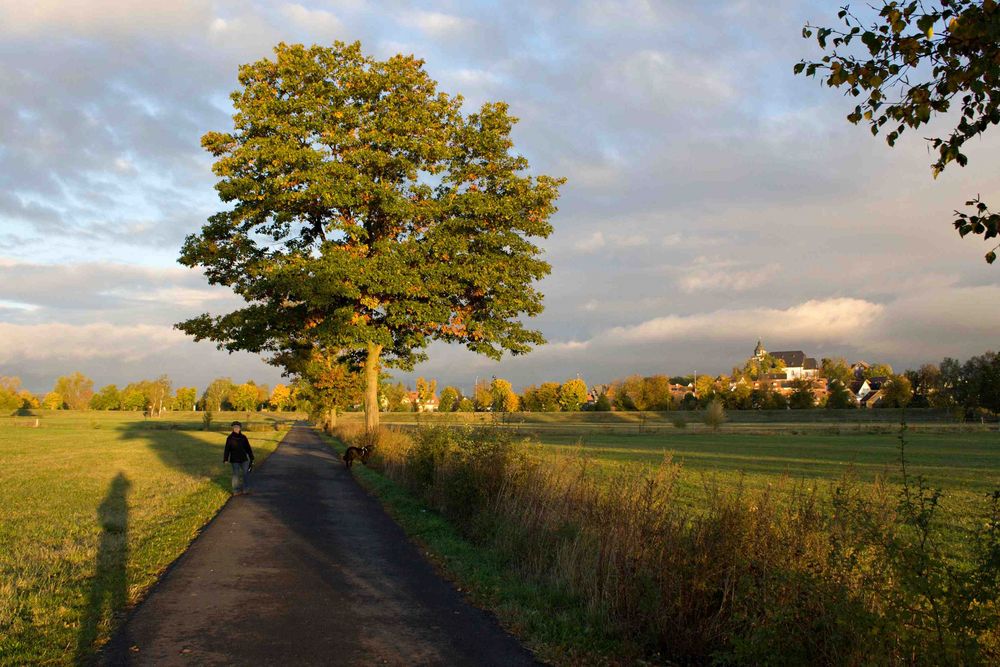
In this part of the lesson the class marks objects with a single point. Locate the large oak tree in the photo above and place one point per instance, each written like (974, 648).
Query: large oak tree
(367, 213)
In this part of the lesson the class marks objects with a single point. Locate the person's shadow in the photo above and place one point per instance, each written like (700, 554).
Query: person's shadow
(109, 586)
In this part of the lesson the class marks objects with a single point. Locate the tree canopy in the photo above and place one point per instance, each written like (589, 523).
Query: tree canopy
(367, 213)
(76, 390)
(914, 61)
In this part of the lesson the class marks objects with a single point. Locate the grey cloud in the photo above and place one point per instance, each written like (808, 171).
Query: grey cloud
(147, 353)
(682, 131)
(114, 293)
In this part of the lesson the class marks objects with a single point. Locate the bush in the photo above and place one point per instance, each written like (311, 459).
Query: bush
(206, 420)
(785, 574)
(715, 414)
(678, 421)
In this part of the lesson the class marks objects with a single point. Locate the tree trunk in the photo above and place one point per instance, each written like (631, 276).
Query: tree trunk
(331, 419)
(371, 389)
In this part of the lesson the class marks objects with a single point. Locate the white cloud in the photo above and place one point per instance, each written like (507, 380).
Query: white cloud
(659, 78)
(598, 240)
(590, 172)
(97, 340)
(629, 241)
(724, 276)
(601, 13)
(184, 297)
(17, 305)
(829, 320)
(591, 243)
(107, 287)
(436, 24)
(313, 20)
(474, 77)
(564, 346)
(20, 17)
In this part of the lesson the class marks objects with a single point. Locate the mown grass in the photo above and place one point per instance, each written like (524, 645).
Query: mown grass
(93, 507)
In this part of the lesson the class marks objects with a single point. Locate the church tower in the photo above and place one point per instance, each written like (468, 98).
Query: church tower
(759, 351)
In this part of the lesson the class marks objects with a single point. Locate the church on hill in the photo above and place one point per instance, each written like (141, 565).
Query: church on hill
(797, 364)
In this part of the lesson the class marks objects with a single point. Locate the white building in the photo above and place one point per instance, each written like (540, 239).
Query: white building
(797, 364)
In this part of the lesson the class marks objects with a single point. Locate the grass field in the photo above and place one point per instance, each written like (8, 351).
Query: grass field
(961, 459)
(767, 544)
(93, 507)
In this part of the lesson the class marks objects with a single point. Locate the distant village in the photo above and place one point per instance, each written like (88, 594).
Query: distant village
(767, 380)
(792, 369)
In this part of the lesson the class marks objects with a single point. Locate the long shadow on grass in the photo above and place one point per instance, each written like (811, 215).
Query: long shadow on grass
(108, 590)
(181, 451)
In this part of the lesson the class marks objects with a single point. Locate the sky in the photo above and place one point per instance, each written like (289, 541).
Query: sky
(712, 199)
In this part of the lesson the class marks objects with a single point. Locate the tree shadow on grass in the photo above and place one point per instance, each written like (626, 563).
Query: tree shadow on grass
(176, 446)
(181, 451)
(109, 588)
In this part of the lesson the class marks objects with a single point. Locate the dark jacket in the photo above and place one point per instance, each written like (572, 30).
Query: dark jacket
(237, 449)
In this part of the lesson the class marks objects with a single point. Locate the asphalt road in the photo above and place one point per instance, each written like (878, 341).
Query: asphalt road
(307, 570)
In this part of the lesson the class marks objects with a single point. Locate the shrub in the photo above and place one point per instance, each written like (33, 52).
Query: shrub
(678, 421)
(784, 574)
(715, 414)
(206, 420)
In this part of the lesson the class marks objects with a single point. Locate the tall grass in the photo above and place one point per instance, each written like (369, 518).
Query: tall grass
(785, 575)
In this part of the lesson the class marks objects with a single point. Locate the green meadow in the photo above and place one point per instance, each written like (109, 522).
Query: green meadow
(750, 452)
(752, 528)
(93, 507)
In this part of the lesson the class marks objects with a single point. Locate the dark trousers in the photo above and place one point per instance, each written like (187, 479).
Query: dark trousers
(240, 476)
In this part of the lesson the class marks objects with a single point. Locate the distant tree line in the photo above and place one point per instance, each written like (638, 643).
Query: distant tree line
(969, 388)
(972, 387)
(76, 392)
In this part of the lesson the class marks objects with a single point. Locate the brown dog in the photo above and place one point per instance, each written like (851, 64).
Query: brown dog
(354, 453)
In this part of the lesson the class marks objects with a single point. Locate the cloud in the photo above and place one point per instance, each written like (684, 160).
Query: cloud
(75, 343)
(436, 24)
(314, 21)
(669, 79)
(829, 320)
(597, 240)
(567, 346)
(122, 17)
(726, 276)
(591, 243)
(112, 289)
(115, 353)
(710, 191)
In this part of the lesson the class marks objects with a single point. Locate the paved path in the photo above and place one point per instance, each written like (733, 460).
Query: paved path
(307, 570)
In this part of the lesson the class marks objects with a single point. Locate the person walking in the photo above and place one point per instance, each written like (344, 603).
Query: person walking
(239, 454)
